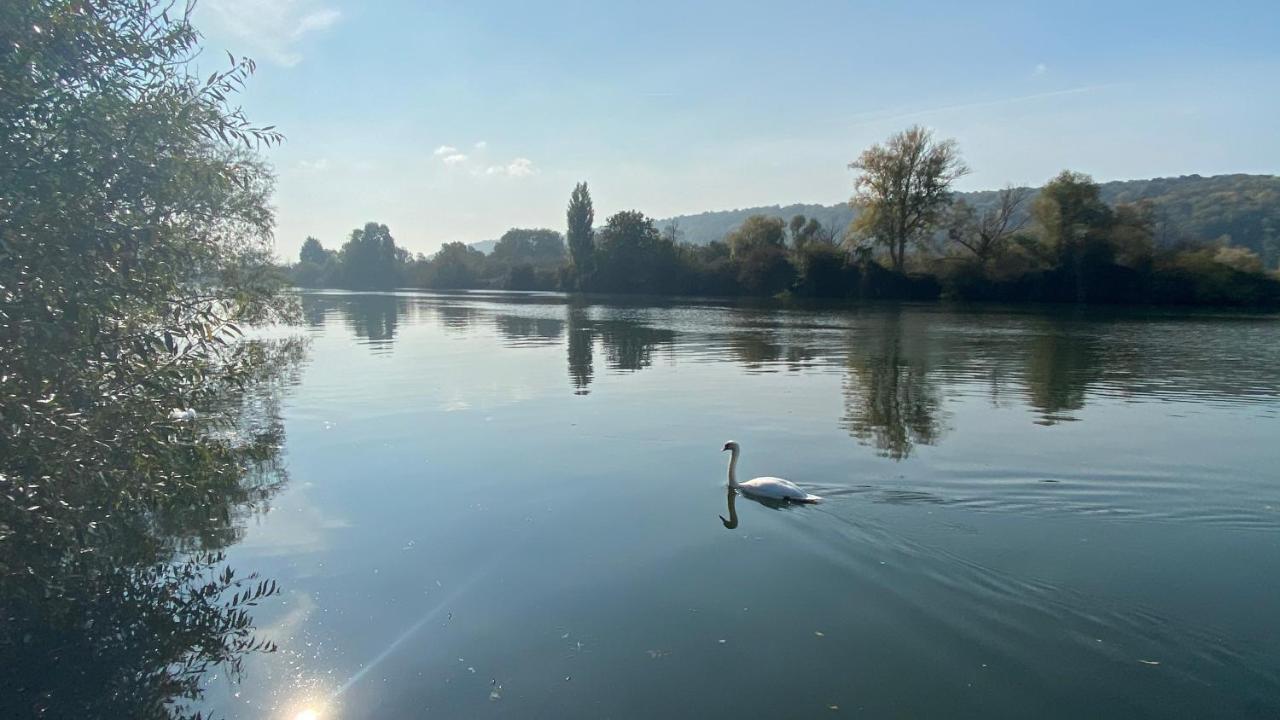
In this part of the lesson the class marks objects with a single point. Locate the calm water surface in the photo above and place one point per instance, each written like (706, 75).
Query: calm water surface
(515, 506)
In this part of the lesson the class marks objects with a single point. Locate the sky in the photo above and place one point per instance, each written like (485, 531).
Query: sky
(458, 120)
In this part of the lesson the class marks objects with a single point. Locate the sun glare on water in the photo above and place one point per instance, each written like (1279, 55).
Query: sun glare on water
(307, 714)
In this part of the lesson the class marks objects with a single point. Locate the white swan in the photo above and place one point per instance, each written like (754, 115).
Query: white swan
(765, 487)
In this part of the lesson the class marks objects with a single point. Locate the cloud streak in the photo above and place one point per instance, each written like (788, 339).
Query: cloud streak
(870, 118)
(271, 30)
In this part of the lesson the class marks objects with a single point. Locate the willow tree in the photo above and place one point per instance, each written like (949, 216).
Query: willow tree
(903, 188)
(134, 241)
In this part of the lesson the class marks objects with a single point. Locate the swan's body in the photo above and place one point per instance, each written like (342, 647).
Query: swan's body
(772, 488)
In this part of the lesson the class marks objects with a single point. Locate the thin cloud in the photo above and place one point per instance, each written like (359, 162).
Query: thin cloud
(519, 167)
(270, 30)
(318, 165)
(453, 157)
(1040, 69)
(322, 19)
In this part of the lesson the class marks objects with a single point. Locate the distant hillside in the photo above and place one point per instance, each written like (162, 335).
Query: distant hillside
(484, 246)
(1244, 208)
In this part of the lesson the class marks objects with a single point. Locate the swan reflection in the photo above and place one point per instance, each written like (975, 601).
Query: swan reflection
(731, 522)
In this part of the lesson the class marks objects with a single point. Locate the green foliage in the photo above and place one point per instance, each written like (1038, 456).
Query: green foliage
(317, 267)
(808, 230)
(312, 252)
(1073, 219)
(632, 256)
(456, 266)
(370, 259)
(581, 216)
(823, 270)
(758, 248)
(1132, 234)
(758, 232)
(539, 248)
(134, 226)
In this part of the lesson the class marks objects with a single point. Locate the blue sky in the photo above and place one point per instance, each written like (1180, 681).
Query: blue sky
(456, 121)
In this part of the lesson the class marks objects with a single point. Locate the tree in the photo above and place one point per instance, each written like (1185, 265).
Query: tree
(806, 230)
(317, 267)
(134, 241)
(581, 215)
(672, 232)
(1071, 215)
(987, 233)
(903, 188)
(540, 248)
(312, 252)
(755, 233)
(797, 228)
(631, 255)
(1075, 225)
(758, 248)
(456, 266)
(370, 258)
(1132, 234)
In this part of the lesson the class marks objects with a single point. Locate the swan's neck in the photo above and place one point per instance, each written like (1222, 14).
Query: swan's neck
(733, 470)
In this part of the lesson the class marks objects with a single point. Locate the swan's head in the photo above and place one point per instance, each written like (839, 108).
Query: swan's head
(731, 445)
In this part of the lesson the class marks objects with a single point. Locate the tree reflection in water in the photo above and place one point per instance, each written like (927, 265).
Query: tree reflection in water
(580, 348)
(1060, 367)
(116, 602)
(373, 318)
(524, 331)
(892, 401)
(629, 345)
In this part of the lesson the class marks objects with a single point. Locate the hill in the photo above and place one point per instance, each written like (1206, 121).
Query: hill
(484, 246)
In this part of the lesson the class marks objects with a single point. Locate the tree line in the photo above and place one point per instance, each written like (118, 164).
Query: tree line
(912, 238)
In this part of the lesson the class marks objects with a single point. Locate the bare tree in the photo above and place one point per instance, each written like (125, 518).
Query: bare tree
(986, 234)
(828, 234)
(673, 232)
(903, 188)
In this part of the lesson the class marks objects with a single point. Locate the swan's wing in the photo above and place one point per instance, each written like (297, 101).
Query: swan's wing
(777, 488)
(775, 482)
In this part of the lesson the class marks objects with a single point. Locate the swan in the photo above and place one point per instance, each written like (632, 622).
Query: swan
(182, 414)
(766, 487)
